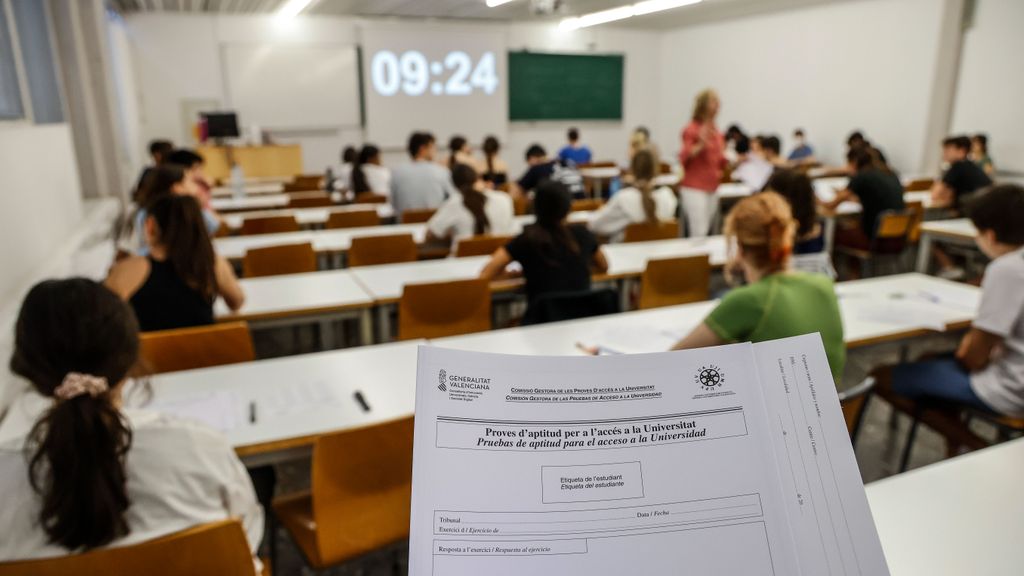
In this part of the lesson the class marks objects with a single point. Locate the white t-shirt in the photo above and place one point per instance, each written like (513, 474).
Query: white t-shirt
(455, 220)
(180, 474)
(378, 178)
(343, 176)
(754, 172)
(627, 207)
(1001, 383)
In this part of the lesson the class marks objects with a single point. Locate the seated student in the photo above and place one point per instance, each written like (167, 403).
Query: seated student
(473, 211)
(368, 175)
(91, 473)
(460, 152)
(158, 151)
(776, 302)
(421, 183)
(876, 189)
(162, 181)
(193, 165)
(987, 372)
(541, 169)
(979, 154)
(639, 140)
(802, 151)
(961, 178)
(771, 149)
(495, 170)
(176, 284)
(857, 140)
(751, 168)
(574, 152)
(555, 257)
(733, 134)
(343, 173)
(798, 191)
(638, 203)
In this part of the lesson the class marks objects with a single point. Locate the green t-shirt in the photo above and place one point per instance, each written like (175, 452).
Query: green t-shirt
(783, 305)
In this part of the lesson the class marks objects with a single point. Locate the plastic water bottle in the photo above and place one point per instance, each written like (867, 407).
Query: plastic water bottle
(237, 181)
(329, 181)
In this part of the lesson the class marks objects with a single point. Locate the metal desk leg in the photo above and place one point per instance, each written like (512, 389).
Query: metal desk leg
(327, 334)
(924, 253)
(366, 327)
(625, 290)
(384, 323)
(830, 233)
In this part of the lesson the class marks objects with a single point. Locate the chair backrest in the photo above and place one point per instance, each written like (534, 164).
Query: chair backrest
(275, 260)
(370, 198)
(353, 219)
(671, 281)
(598, 164)
(586, 205)
(893, 224)
(416, 216)
(644, 232)
(483, 245)
(853, 401)
(216, 548)
(269, 225)
(520, 205)
(373, 250)
(311, 201)
(304, 182)
(559, 306)
(919, 185)
(197, 347)
(444, 309)
(362, 488)
(916, 210)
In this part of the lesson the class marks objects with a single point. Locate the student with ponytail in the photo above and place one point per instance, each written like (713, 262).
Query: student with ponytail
(555, 256)
(637, 204)
(495, 170)
(776, 302)
(473, 211)
(176, 284)
(91, 473)
(368, 175)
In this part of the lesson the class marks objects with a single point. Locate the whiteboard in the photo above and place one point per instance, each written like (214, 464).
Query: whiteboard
(288, 86)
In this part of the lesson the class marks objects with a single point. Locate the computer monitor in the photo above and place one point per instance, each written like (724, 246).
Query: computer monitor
(221, 124)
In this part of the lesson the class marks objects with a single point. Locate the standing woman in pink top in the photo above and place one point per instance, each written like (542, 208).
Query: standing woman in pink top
(703, 159)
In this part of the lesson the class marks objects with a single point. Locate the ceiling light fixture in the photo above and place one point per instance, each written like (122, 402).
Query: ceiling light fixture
(621, 13)
(493, 3)
(292, 8)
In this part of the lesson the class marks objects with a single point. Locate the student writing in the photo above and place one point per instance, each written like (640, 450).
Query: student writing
(639, 203)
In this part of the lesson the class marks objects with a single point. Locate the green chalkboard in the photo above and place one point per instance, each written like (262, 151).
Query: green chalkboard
(564, 86)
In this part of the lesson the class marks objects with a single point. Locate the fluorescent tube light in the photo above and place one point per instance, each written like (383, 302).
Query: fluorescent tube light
(652, 6)
(621, 13)
(493, 3)
(292, 8)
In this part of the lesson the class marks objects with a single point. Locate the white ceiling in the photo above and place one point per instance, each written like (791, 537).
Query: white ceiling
(518, 10)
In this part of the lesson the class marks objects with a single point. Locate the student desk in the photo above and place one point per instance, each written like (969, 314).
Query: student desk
(263, 201)
(307, 217)
(321, 297)
(959, 231)
(251, 189)
(959, 516)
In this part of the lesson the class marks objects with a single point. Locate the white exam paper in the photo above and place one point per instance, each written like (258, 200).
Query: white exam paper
(728, 460)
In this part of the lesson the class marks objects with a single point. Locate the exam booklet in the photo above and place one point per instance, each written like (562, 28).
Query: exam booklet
(733, 460)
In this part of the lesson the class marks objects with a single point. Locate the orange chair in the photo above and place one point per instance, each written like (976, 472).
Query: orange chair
(370, 198)
(919, 185)
(215, 548)
(361, 490)
(674, 281)
(416, 216)
(586, 205)
(483, 245)
(304, 182)
(644, 232)
(916, 210)
(444, 309)
(373, 250)
(269, 225)
(311, 201)
(890, 241)
(276, 260)
(353, 219)
(197, 347)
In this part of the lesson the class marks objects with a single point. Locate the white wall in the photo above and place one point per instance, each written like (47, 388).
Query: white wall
(829, 69)
(178, 57)
(990, 94)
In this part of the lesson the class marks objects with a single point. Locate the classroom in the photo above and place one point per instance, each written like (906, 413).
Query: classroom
(244, 241)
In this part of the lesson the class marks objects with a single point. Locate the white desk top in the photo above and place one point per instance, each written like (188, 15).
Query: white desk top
(307, 216)
(251, 189)
(600, 172)
(733, 190)
(386, 282)
(296, 295)
(261, 202)
(631, 259)
(235, 247)
(960, 516)
(960, 228)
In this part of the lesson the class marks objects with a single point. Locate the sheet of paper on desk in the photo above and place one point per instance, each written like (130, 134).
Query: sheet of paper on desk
(295, 398)
(217, 410)
(634, 339)
(727, 460)
(909, 311)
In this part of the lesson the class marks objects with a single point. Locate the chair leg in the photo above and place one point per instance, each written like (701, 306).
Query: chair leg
(860, 420)
(911, 436)
(272, 530)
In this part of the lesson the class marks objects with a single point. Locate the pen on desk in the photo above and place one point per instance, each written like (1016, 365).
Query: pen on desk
(252, 412)
(362, 401)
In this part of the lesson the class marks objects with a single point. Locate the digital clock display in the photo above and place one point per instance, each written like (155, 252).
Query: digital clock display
(413, 74)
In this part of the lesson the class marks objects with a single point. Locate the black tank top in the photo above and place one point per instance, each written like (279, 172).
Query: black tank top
(164, 301)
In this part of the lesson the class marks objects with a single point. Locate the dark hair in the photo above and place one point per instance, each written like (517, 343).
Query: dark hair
(77, 448)
(535, 151)
(349, 155)
(797, 189)
(861, 157)
(573, 134)
(491, 148)
(359, 182)
(182, 233)
(184, 157)
(734, 131)
(958, 142)
(161, 148)
(771, 143)
(855, 137)
(455, 144)
(982, 141)
(464, 177)
(999, 208)
(418, 141)
(158, 182)
(551, 204)
(644, 168)
(798, 132)
(742, 144)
